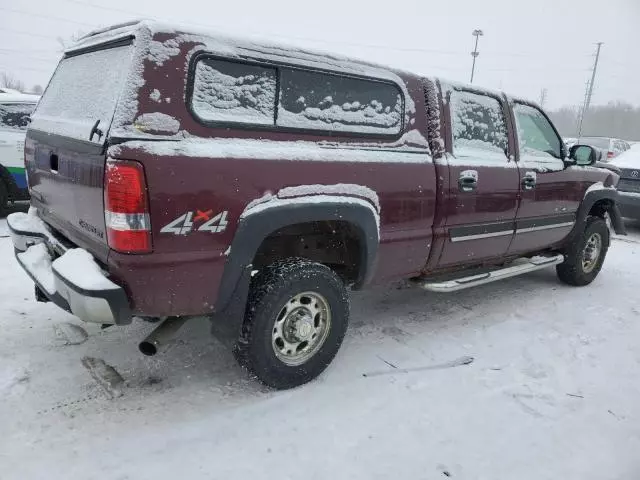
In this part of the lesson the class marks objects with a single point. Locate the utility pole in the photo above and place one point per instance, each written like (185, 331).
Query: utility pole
(587, 100)
(476, 33)
(543, 97)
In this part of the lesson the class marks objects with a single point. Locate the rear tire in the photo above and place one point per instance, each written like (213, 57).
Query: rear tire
(296, 318)
(584, 258)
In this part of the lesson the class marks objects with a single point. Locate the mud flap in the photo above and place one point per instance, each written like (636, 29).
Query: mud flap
(40, 296)
(226, 325)
(616, 220)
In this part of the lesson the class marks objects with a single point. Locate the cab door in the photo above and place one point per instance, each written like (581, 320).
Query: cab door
(550, 193)
(482, 195)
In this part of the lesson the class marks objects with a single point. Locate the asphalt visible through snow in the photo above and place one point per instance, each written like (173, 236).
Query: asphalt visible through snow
(523, 379)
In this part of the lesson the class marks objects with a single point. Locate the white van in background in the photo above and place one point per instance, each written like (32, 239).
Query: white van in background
(15, 109)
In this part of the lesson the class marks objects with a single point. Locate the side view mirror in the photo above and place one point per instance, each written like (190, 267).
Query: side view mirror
(584, 155)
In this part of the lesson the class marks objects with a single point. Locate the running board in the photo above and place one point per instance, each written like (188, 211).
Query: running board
(518, 267)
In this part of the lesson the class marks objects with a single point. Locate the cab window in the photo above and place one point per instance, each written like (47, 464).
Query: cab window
(536, 135)
(479, 126)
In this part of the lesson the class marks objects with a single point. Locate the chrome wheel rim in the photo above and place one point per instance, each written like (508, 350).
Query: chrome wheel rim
(591, 253)
(301, 328)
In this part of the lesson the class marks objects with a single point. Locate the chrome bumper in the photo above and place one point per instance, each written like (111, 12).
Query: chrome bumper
(37, 251)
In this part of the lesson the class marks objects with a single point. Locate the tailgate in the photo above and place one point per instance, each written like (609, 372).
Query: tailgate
(65, 147)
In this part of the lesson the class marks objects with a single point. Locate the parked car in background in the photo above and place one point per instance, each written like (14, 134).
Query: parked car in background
(15, 109)
(610, 147)
(261, 183)
(629, 184)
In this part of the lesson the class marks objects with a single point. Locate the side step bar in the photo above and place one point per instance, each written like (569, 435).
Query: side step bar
(518, 267)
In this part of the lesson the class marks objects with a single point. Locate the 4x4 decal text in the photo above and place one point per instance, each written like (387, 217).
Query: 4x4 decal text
(187, 222)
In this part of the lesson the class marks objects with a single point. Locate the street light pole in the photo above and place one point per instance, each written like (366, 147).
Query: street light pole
(476, 33)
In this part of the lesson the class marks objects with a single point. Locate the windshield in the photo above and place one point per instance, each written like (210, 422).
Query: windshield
(15, 116)
(84, 90)
(595, 142)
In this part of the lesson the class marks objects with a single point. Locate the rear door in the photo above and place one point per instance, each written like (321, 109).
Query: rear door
(65, 146)
(483, 179)
(550, 194)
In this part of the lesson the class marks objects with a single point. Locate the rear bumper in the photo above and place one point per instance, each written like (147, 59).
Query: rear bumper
(37, 252)
(629, 203)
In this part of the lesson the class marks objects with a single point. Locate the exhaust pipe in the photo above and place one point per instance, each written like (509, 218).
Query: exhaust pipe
(161, 335)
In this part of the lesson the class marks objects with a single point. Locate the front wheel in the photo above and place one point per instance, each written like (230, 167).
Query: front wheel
(295, 321)
(585, 256)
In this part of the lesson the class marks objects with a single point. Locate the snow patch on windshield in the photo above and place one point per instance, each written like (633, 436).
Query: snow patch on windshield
(78, 266)
(37, 260)
(338, 189)
(157, 122)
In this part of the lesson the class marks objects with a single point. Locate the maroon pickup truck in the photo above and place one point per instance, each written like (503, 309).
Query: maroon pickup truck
(176, 174)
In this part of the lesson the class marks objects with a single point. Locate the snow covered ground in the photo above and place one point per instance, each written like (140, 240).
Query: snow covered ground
(552, 392)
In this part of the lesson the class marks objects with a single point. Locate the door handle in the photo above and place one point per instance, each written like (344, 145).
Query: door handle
(529, 180)
(468, 180)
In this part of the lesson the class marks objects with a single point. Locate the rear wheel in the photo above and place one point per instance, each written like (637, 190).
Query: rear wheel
(295, 321)
(584, 258)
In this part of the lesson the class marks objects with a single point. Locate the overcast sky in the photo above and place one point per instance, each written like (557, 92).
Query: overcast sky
(527, 45)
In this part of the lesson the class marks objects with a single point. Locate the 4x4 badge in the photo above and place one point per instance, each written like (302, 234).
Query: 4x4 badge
(185, 223)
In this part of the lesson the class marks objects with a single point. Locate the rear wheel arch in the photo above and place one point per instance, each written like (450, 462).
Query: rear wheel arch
(355, 219)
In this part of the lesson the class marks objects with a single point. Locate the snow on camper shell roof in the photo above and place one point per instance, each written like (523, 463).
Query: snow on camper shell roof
(230, 46)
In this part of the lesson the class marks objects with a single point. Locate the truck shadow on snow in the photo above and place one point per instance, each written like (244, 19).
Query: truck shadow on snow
(399, 314)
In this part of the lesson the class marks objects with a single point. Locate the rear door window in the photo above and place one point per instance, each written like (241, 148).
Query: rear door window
(322, 101)
(15, 116)
(83, 90)
(479, 126)
(234, 92)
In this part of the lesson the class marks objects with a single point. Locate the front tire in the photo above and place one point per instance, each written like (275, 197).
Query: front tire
(296, 318)
(584, 258)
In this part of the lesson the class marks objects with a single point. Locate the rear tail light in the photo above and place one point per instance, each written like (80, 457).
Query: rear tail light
(610, 154)
(126, 207)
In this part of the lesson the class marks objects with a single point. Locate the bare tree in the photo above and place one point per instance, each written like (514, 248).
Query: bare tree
(37, 89)
(617, 119)
(9, 81)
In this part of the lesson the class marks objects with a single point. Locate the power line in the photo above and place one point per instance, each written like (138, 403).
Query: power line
(30, 34)
(49, 17)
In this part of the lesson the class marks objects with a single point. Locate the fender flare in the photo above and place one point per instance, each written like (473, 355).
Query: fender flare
(258, 223)
(590, 199)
